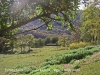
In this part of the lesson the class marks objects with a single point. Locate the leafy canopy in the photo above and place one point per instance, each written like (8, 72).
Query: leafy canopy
(91, 24)
(15, 13)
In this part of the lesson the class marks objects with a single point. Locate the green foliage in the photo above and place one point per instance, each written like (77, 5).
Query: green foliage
(90, 30)
(72, 61)
(29, 38)
(47, 40)
(35, 58)
(6, 44)
(76, 65)
(73, 54)
(13, 13)
(23, 41)
(50, 27)
(38, 43)
(27, 70)
(92, 67)
(51, 65)
(53, 70)
(89, 47)
(63, 40)
(54, 39)
(79, 45)
(49, 70)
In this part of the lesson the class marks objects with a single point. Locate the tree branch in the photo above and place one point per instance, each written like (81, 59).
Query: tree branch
(31, 29)
(21, 24)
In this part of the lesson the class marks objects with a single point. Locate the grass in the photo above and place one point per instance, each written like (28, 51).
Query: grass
(41, 58)
(8, 61)
(90, 68)
(60, 59)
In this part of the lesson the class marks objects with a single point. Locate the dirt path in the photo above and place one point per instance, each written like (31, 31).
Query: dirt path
(95, 54)
(67, 65)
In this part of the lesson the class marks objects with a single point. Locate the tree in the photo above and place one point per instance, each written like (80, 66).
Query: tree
(2, 44)
(6, 44)
(91, 24)
(15, 13)
(75, 36)
(54, 39)
(39, 43)
(64, 40)
(30, 40)
(21, 41)
(47, 40)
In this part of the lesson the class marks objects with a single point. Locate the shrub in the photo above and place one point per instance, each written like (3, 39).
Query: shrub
(49, 70)
(72, 61)
(28, 70)
(89, 47)
(76, 65)
(79, 45)
(69, 56)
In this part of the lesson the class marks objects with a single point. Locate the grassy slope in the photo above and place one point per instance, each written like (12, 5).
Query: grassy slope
(91, 66)
(35, 59)
(38, 56)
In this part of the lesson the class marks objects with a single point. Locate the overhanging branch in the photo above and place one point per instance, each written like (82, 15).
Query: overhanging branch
(31, 29)
(21, 24)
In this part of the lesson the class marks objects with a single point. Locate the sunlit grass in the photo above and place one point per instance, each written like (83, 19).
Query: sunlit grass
(90, 68)
(36, 57)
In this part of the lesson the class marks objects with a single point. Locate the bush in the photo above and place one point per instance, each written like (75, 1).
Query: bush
(49, 70)
(89, 47)
(72, 61)
(76, 65)
(67, 57)
(28, 70)
(79, 45)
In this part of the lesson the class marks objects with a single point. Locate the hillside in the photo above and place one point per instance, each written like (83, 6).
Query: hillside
(82, 61)
(90, 66)
(42, 32)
